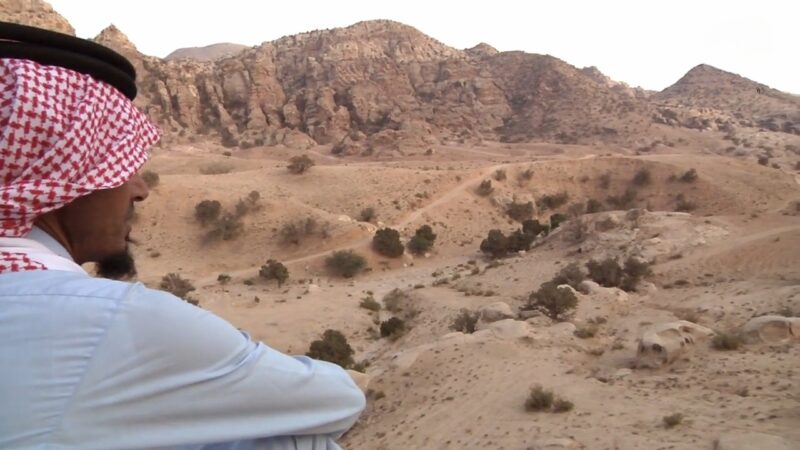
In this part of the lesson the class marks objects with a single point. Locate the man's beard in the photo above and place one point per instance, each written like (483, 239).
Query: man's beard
(118, 266)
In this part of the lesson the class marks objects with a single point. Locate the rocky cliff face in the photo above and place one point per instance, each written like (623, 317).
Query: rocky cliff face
(382, 86)
(34, 13)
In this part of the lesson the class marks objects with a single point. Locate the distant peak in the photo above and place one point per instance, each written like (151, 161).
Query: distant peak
(482, 49)
(113, 37)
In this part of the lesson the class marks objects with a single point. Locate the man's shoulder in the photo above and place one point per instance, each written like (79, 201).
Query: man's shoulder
(53, 284)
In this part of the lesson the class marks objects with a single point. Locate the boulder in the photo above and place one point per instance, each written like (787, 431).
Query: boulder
(496, 311)
(752, 441)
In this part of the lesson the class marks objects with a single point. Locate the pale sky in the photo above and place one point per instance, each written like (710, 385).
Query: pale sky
(643, 43)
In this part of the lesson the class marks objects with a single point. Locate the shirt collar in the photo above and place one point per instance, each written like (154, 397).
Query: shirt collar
(40, 236)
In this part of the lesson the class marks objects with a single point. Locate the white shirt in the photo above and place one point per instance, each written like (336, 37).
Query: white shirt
(88, 363)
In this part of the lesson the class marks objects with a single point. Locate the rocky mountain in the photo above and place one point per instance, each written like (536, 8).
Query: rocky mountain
(747, 102)
(35, 13)
(383, 86)
(207, 53)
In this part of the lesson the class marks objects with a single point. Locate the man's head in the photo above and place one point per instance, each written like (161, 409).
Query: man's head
(71, 143)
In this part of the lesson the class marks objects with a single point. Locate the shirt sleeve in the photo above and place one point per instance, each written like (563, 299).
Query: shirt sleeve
(168, 374)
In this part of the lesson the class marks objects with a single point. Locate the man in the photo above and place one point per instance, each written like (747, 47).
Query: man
(91, 363)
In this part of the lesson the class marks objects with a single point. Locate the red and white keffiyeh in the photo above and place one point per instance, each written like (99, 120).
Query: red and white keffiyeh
(63, 135)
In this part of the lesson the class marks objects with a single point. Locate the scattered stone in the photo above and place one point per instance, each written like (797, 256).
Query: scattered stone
(771, 329)
(665, 343)
(752, 441)
(496, 311)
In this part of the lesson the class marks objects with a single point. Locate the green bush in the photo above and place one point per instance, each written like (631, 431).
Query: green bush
(689, 176)
(368, 214)
(223, 278)
(495, 245)
(570, 274)
(554, 302)
(333, 347)
(395, 300)
(176, 285)
(607, 273)
(299, 164)
(625, 201)
(552, 201)
(485, 188)
(534, 228)
(556, 220)
(520, 241)
(369, 303)
(387, 243)
(520, 211)
(393, 328)
(207, 211)
(642, 177)
(539, 399)
(466, 321)
(274, 270)
(226, 228)
(345, 263)
(593, 206)
(423, 240)
(726, 341)
(500, 174)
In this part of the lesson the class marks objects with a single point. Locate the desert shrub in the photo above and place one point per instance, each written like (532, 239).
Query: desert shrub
(466, 321)
(226, 228)
(625, 201)
(485, 188)
(576, 210)
(763, 160)
(562, 405)
(570, 274)
(556, 220)
(369, 303)
(295, 232)
(689, 176)
(368, 214)
(393, 328)
(607, 273)
(520, 211)
(274, 270)
(387, 243)
(423, 240)
(642, 177)
(525, 176)
(635, 270)
(500, 174)
(300, 164)
(333, 347)
(495, 245)
(539, 399)
(223, 278)
(593, 206)
(395, 300)
(176, 285)
(554, 302)
(726, 341)
(604, 181)
(586, 331)
(552, 201)
(345, 263)
(247, 204)
(684, 205)
(520, 241)
(207, 211)
(672, 420)
(150, 178)
(534, 228)
(216, 169)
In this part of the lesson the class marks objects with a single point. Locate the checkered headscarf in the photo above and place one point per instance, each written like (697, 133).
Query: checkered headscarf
(63, 134)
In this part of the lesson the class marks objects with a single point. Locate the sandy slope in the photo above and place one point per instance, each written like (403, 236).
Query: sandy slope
(736, 256)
